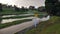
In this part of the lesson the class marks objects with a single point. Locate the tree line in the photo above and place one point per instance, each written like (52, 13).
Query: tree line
(15, 8)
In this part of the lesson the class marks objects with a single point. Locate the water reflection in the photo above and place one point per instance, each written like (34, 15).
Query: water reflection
(16, 15)
(11, 20)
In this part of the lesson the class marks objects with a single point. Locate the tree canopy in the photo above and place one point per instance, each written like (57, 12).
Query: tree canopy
(52, 7)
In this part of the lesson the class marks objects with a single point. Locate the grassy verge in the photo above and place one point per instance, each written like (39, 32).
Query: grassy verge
(51, 26)
(12, 13)
(16, 17)
(13, 23)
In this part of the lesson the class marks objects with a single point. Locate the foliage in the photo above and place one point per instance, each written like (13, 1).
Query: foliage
(31, 7)
(41, 9)
(52, 7)
(16, 8)
(0, 12)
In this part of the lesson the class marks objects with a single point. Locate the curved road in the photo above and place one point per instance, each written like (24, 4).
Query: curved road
(16, 28)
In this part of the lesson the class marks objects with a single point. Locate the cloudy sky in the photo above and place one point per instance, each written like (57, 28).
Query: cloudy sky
(25, 3)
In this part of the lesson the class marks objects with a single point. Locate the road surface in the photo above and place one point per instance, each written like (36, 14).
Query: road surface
(16, 28)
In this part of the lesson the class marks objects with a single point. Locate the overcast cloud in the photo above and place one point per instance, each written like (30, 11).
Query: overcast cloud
(25, 3)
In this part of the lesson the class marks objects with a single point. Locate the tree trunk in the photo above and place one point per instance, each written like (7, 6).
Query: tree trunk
(0, 18)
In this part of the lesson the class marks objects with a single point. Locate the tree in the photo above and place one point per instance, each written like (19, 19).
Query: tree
(26, 9)
(22, 9)
(16, 8)
(52, 7)
(0, 13)
(31, 7)
(9, 6)
(41, 9)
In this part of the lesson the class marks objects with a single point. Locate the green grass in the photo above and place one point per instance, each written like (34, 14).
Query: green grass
(13, 23)
(51, 26)
(10, 11)
(54, 29)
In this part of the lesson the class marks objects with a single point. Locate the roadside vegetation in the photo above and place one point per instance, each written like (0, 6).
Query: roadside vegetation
(51, 26)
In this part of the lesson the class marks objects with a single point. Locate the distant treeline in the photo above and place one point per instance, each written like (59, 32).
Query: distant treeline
(15, 8)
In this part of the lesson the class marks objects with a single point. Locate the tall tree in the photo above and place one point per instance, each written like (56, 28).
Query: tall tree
(0, 13)
(31, 7)
(52, 7)
(16, 8)
(22, 9)
(41, 9)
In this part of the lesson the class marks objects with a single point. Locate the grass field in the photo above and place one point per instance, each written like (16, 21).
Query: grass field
(54, 29)
(11, 11)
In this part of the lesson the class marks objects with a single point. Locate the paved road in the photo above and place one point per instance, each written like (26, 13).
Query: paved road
(16, 28)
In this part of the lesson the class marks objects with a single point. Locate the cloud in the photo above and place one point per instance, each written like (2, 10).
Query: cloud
(30, 2)
(25, 3)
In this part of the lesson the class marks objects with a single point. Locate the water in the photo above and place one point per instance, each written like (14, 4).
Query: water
(16, 15)
(11, 20)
